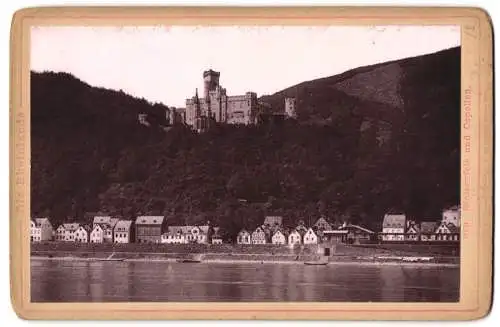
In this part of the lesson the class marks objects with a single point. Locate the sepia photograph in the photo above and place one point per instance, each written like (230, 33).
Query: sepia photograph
(185, 163)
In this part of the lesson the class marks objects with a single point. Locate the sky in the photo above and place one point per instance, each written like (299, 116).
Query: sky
(165, 63)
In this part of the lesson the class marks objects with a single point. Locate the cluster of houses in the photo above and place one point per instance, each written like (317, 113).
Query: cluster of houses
(106, 229)
(396, 227)
(153, 229)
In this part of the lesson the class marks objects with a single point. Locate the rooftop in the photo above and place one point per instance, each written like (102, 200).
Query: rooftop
(123, 225)
(428, 227)
(149, 220)
(394, 221)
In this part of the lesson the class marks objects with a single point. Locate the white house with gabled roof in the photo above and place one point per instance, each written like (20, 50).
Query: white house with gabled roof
(97, 234)
(310, 237)
(279, 238)
(82, 234)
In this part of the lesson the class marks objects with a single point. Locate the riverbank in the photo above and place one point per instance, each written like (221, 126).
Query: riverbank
(229, 253)
(334, 260)
(141, 249)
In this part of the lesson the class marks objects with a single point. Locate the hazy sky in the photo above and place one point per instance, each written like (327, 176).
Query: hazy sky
(165, 64)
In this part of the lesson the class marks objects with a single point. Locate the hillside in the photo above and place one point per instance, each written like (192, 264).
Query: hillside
(378, 138)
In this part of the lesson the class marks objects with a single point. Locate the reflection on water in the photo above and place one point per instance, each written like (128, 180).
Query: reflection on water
(60, 281)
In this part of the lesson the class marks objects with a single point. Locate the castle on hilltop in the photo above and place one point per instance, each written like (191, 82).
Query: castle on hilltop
(215, 106)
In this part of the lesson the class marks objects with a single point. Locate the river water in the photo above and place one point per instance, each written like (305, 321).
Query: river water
(81, 281)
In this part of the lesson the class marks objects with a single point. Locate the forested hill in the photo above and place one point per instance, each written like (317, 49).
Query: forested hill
(378, 138)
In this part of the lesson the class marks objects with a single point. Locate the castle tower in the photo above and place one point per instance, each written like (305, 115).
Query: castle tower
(291, 107)
(172, 113)
(210, 81)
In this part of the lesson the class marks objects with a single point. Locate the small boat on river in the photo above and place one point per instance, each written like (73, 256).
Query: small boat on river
(193, 259)
(320, 261)
(315, 263)
(187, 260)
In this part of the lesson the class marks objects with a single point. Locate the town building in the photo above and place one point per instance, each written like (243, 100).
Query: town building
(428, 231)
(452, 215)
(97, 234)
(335, 236)
(107, 224)
(259, 236)
(60, 233)
(413, 232)
(149, 229)
(173, 238)
(215, 106)
(322, 224)
(41, 230)
(310, 237)
(393, 227)
(82, 234)
(273, 222)
(294, 238)
(66, 232)
(176, 235)
(357, 234)
(34, 232)
(199, 234)
(279, 238)
(447, 232)
(216, 237)
(124, 232)
(244, 237)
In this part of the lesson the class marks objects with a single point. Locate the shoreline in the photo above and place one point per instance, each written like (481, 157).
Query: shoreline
(256, 262)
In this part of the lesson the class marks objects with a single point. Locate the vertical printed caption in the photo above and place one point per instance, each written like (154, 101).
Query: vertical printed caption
(19, 159)
(468, 129)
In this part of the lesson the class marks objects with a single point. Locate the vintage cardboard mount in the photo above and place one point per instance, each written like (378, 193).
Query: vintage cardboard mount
(476, 172)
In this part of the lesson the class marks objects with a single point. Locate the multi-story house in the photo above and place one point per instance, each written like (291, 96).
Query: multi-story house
(244, 237)
(82, 234)
(149, 229)
(66, 232)
(322, 224)
(97, 234)
(393, 227)
(310, 237)
(259, 236)
(107, 224)
(124, 232)
(279, 238)
(41, 230)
